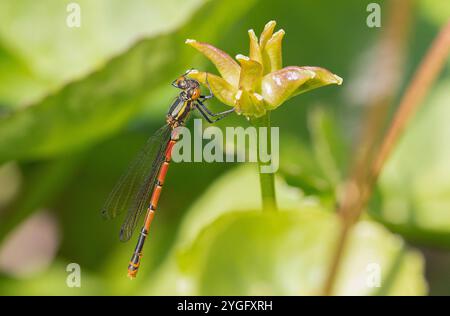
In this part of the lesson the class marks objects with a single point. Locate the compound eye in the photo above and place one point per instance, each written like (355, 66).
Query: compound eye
(181, 83)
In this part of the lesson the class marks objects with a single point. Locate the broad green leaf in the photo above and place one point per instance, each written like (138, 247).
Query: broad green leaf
(254, 253)
(436, 11)
(52, 53)
(225, 249)
(242, 183)
(18, 85)
(288, 253)
(87, 110)
(415, 183)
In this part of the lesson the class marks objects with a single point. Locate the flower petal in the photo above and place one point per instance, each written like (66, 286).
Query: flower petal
(280, 85)
(249, 104)
(266, 33)
(251, 73)
(272, 56)
(323, 78)
(227, 67)
(255, 50)
(221, 89)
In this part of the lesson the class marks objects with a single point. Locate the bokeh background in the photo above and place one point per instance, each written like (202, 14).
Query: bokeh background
(76, 104)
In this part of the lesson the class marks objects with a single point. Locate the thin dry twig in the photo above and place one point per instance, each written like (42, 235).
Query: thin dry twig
(427, 73)
(359, 189)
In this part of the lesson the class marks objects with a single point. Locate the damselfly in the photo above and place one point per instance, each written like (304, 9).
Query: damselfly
(139, 189)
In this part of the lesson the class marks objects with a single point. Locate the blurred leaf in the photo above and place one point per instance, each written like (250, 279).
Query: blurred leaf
(220, 252)
(415, 184)
(328, 145)
(89, 109)
(53, 53)
(437, 11)
(17, 83)
(242, 183)
(288, 253)
(300, 168)
(316, 169)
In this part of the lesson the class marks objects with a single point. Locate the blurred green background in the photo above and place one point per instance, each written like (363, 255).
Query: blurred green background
(76, 104)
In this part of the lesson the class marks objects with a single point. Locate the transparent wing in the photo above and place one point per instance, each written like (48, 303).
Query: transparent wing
(132, 192)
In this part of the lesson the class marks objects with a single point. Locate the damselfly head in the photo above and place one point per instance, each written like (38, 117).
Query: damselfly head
(181, 83)
(185, 83)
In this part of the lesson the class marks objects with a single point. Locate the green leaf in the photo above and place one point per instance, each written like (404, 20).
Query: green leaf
(316, 167)
(18, 85)
(87, 110)
(220, 251)
(328, 145)
(288, 253)
(436, 11)
(415, 184)
(300, 168)
(52, 53)
(246, 195)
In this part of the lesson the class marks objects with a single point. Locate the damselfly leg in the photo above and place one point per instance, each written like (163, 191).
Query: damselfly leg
(205, 112)
(210, 116)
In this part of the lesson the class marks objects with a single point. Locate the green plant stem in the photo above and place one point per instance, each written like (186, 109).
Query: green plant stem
(267, 180)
